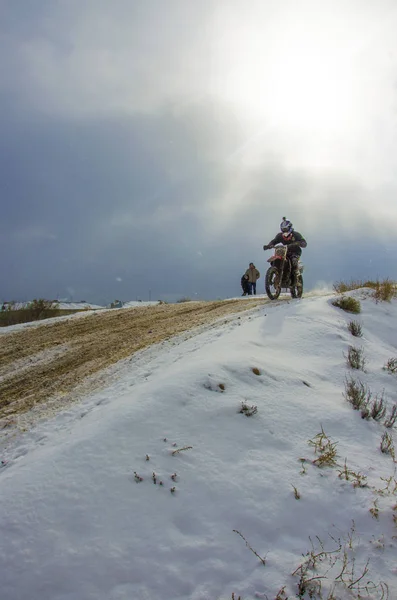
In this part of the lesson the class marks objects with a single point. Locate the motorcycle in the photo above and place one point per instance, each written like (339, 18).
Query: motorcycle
(279, 275)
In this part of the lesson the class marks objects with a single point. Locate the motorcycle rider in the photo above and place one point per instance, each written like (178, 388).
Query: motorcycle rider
(294, 240)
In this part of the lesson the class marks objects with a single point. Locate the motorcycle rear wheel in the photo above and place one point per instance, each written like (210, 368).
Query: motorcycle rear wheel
(297, 289)
(272, 283)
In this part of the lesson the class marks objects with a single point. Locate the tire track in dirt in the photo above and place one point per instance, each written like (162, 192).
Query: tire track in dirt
(39, 363)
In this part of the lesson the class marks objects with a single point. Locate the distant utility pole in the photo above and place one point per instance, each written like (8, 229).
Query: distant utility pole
(150, 295)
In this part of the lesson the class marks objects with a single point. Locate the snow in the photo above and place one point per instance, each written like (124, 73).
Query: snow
(78, 306)
(137, 304)
(75, 525)
(61, 305)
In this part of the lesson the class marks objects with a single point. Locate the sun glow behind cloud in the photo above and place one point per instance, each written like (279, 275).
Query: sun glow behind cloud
(313, 86)
(294, 85)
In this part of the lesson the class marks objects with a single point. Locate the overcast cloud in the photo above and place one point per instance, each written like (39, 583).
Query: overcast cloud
(152, 147)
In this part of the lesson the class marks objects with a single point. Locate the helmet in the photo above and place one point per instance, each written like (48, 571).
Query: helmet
(286, 227)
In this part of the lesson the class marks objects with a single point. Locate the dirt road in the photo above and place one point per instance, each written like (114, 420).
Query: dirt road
(53, 359)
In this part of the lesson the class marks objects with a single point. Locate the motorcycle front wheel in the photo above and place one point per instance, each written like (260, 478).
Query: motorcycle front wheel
(272, 283)
(297, 289)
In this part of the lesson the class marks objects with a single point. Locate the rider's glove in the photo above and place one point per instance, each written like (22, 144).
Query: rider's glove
(266, 247)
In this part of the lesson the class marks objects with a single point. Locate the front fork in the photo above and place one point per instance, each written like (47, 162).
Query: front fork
(280, 272)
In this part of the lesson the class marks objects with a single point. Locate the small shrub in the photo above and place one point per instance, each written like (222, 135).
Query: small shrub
(385, 290)
(325, 448)
(348, 304)
(375, 509)
(355, 358)
(378, 408)
(248, 411)
(391, 366)
(366, 412)
(386, 444)
(341, 287)
(357, 394)
(355, 328)
(184, 299)
(297, 495)
(40, 306)
(390, 488)
(358, 479)
(392, 418)
(334, 574)
(281, 595)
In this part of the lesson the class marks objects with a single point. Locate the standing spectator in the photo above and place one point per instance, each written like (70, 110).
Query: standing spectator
(244, 284)
(253, 276)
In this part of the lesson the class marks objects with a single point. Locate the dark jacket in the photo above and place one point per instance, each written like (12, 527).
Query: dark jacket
(295, 243)
(244, 283)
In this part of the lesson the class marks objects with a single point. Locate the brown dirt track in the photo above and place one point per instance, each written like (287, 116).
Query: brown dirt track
(51, 359)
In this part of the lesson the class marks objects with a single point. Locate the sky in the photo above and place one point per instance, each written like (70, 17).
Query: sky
(150, 149)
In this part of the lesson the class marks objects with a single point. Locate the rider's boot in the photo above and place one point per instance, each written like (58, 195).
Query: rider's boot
(295, 277)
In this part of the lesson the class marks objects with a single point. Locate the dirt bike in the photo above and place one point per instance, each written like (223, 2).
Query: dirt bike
(279, 275)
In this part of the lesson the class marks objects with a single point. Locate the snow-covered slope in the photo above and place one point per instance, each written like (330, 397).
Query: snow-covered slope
(77, 522)
(136, 304)
(62, 305)
(78, 306)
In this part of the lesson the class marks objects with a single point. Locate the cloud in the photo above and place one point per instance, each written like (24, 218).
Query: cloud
(161, 144)
(84, 59)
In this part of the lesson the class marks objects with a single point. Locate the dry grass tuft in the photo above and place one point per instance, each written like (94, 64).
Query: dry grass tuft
(383, 291)
(355, 328)
(247, 410)
(348, 304)
(391, 366)
(386, 445)
(325, 449)
(392, 418)
(355, 358)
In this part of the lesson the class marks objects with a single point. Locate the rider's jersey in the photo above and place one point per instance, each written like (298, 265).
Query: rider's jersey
(294, 249)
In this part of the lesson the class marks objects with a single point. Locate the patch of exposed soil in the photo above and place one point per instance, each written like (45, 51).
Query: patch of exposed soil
(37, 363)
